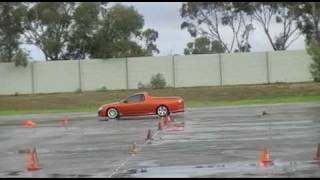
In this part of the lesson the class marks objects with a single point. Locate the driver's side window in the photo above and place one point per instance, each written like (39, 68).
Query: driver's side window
(135, 98)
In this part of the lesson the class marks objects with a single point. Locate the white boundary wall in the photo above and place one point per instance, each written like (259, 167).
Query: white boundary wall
(179, 71)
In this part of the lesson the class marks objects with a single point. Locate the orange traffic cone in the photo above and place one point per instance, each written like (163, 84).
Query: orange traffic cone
(149, 136)
(29, 124)
(265, 157)
(32, 161)
(133, 149)
(318, 153)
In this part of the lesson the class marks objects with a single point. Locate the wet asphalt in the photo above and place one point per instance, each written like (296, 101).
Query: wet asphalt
(214, 142)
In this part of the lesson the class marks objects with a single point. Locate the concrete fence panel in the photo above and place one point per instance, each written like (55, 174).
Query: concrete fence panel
(197, 70)
(244, 68)
(56, 76)
(110, 73)
(15, 79)
(143, 68)
(178, 71)
(290, 66)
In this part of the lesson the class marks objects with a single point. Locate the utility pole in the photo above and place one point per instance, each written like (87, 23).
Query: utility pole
(314, 8)
(313, 4)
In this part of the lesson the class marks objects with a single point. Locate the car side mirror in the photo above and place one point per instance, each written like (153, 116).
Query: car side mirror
(125, 101)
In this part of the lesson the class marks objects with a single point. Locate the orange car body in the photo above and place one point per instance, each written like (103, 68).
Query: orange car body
(146, 106)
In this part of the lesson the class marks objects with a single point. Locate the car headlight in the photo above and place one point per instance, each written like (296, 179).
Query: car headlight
(180, 100)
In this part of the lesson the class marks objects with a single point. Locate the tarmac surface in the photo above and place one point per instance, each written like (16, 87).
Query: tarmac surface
(214, 142)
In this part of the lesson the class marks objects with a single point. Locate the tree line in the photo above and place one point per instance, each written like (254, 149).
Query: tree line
(79, 30)
(73, 30)
(205, 20)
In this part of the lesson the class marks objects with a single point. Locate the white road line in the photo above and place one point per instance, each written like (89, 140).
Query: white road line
(130, 157)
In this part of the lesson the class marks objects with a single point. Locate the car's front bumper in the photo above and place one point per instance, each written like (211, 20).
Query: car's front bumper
(101, 115)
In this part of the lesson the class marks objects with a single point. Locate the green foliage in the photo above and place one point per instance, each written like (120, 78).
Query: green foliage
(48, 27)
(314, 50)
(158, 81)
(112, 39)
(150, 36)
(143, 86)
(20, 59)
(115, 37)
(264, 13)
(203, 45)
(217, 47)
(78, 90)
(77, 30)
(11, 27)
(85, 22)
(205, 19)
(307, 15)
(102, 89)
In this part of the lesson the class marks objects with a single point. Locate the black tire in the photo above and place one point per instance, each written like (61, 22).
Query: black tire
(162, 111)
(112, 113)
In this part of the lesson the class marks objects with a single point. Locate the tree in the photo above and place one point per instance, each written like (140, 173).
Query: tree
(121, 28)
(314, 50)
(216, 47)
(48, 27)
(189, 49)
(86, 20)
(307, 15)
(20, 58)
(206, 18)
(71, 30)
(264, 13)
(113, 39)
(150, 36)
(202, 45)
(11, 27)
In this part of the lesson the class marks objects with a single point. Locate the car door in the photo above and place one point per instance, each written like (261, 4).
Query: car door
(133, 105)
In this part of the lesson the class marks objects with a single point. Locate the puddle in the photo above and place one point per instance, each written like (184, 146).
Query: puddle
(243, 169)
(148, 164)
(23, 151)
(14, 173)
(55, 175)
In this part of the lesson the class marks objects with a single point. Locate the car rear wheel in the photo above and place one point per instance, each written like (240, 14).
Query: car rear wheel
(162, 111)
(112, 113)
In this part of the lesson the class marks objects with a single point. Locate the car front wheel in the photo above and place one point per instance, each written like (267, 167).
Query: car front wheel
(112, 113)
(162, 111)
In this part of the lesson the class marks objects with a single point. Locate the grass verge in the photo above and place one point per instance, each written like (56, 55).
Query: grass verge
(193, 96)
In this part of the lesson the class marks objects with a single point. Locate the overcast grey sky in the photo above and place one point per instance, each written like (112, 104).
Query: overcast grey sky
(164, 17)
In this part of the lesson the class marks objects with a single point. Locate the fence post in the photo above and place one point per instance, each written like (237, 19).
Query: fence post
(173, 72)
(220, 69)
(268, 67)
(127, 73)
(79, 73)
(32, 77)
